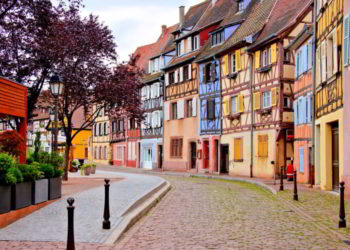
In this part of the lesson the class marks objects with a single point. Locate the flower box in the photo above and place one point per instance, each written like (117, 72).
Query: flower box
(40, 192)
(5, 199)
(55, 188)
(21, 195)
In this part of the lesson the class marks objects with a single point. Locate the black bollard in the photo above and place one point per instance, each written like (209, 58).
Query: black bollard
(281, 183)
(342, 221)
(295, 197)
(70, 238)
(106, 223)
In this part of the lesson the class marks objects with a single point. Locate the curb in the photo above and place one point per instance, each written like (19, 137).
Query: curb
(136, 211)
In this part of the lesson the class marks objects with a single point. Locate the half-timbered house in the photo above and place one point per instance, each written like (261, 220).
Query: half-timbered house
(273, 78)
(330, 93)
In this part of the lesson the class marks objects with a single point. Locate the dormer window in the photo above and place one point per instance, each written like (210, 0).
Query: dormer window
(218, 38)
(154, 65)
(195, 42)
(242, 4)
(178, 49)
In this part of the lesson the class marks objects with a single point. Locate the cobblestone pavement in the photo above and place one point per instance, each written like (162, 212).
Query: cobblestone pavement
(201, 213)
(50, 222)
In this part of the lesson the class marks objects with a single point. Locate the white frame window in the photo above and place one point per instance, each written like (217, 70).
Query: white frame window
(234, 104)
(267, 99)
(195, 42)
(241, 5)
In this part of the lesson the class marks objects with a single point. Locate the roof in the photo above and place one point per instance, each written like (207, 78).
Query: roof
(151, 77)
(283, 15)
(143, 53)
(182, 59)
(254, 16)
(194, 14)
(165, 41)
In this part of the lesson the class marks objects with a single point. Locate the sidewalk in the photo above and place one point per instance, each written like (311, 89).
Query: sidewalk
(50, 222)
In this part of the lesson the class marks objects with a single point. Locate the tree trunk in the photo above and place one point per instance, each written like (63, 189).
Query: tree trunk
(66, 161)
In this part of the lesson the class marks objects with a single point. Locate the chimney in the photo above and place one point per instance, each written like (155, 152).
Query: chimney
(163, 30)
(213, 3)
(182, 14)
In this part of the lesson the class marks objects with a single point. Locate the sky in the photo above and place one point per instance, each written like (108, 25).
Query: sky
(136, 22)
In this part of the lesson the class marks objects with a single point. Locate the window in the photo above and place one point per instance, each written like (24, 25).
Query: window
(106, 153)
(100, 153)
(263, 143)
(302, 161)
(171, 77)
(286, 102)
(234, 63)
(211, 109)
(178, 50)
(105, 128)
(286, 56)
(241, 5)
(267, 99)
(176, 147)
(189, 108)
(238, 149)
(174, 111)
(234, 105)
(207, 72)
(119, 153)
(114, 127)
(195, 42)
(218, 38)
(330, 56)
(121, 125)
(100, 129)
(132, 124)
(185, 72)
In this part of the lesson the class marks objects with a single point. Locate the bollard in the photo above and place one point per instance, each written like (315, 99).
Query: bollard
(342, 221)
(295, 197)
(281, 183)
(70, 238)
(106, 223)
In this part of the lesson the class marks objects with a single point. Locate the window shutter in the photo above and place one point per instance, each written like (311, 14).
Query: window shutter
(183, 46)
(295, 108)
(225, 108)
(257, 101)
(274, 53)
(323, 62)
(318, 66)
(189, 43)
(302, 160)
(155, 118)
(203, 74)
(274, 96)
(257, 59)
(198, 42)
(149, 66)
(211, 109)
(241, 103)
(181, 74)
(238, 60)
(305, 57)
(309, 55)
(166, 111)
(181, 109)
(159, 116)
(310, 108)
(346, 39)
(226, 71)
(129, 125)
(300, 111)
(335, 53)
(176, 76)
(189, 71)
(194, 106)
(166, 79)
(213, 71)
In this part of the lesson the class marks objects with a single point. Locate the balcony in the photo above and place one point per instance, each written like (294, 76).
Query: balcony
(152, 132)
(134, 133)
(154, 103)
(117, 136)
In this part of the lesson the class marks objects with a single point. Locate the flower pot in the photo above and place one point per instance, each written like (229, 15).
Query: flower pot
(93, 170)
(87, 171)
(5, 199)
(55, 188)
(40, 192)
(21, 195)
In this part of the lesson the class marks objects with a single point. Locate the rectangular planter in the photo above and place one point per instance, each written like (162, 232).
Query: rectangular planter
(40, 192)
(5, 199)
(21, 195)
(55, 188)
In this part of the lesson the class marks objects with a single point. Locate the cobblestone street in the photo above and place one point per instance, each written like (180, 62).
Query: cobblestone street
(200, 213)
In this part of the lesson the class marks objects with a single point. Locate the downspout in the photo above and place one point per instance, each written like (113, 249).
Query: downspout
(314, 92)
(219, 146)
(163, 86)
(252, 116)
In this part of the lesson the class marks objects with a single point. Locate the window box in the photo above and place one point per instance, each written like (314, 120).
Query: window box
(266, 111)
(233, 75)
(236, 116)
(241, 160)
(265, 69)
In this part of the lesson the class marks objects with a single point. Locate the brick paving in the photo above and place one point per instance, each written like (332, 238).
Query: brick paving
(201, 213)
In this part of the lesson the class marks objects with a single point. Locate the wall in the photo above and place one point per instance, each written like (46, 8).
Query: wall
(151, 143)
(119, 162)
(80, 143)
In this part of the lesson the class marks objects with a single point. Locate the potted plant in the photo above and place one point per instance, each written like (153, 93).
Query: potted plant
(87, 169)
(55, 184)
(40, 192)
(21, 194)
(93, 168)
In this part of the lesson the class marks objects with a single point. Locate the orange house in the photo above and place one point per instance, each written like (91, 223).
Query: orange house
(14, 102)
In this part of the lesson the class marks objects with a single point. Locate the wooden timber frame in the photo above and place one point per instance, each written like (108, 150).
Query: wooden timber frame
(14, 103)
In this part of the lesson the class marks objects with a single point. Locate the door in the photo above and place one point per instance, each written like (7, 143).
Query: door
(311, 169)
(335, 157)
(193, 155)
(224, 159)
(160, 156)
(206, 154)
(147, 158)
(86, 155)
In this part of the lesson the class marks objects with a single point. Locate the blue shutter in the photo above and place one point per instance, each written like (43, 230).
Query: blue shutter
(306, 109)
(305, 62)
(309, 55)
(302, 166)
(346, 39)
(301, 61)
(297, 66)
(295, 107)
(202, 73)
(300, 105)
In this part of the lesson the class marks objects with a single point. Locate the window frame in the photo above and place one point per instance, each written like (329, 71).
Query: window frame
(176, 147)
(269, 98)
(233, 63)
(174, 111)
(240, 5)
(189, 110)
(241, 159)
(234, 98)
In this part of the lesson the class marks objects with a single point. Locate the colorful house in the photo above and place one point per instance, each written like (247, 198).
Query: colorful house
(330, 48)
(181, 94)
(301, 50)
(272, 90)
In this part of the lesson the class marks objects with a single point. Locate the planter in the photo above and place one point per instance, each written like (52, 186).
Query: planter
(55, 188)
(21, 195)
(87, 171)
(93, 170)
(40, 191)
(5, 199)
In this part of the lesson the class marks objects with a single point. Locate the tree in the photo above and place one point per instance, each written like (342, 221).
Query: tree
(10, 142)
(86, 60)
(37, 145)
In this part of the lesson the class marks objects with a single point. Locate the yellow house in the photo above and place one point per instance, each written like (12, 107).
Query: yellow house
(329, 136)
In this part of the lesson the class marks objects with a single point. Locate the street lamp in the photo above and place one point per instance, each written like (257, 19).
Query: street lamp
(56, 87)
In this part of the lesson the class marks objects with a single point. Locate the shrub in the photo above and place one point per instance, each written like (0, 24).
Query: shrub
(37, 146)
(54, 159)
(10, 142)
(6, 163)
(48, 170)
(13, 176)
(30, 172)
(58, 172)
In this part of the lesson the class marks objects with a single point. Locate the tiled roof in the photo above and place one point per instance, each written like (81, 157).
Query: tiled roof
(194, 14)
(165, 42)
(283, 15)
(254, 16)
(151, 77)
(143, 53)
(177, 60)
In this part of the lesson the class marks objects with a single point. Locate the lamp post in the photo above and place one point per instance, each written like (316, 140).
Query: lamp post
(56, 87)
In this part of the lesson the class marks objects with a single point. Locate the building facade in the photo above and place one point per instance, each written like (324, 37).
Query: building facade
(100, 148)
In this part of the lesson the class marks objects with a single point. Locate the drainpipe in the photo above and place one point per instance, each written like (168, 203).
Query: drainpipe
(314, 91)
(219, 141)
(163, 86)
(252, 116)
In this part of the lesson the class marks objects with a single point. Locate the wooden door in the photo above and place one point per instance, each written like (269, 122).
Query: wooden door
(206, 154)
(335, 157)
(224, 159)
(193, 155)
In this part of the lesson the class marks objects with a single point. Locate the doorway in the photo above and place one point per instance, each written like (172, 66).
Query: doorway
(206, 154)
(160, 156)
(335, 156)
(224, 159)
(216, 156)
(147, 158)
(193, 154)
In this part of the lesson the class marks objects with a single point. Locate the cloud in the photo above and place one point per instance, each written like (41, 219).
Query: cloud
(135, 23)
